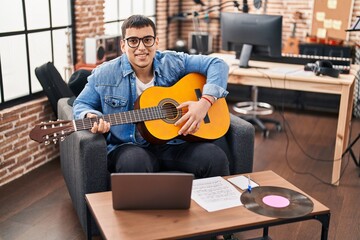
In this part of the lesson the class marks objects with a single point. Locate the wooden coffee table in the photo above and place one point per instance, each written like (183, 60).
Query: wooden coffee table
(195, 222)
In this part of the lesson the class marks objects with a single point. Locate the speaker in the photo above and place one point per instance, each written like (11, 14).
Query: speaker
(322, 68)
(102, 48)
(200, 43)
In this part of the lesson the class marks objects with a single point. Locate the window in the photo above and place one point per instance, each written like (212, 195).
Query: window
(32, 32)
(116, 11)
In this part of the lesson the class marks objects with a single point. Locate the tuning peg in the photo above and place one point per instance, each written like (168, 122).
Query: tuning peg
(62, 138)
(47, 143)
(55, 140)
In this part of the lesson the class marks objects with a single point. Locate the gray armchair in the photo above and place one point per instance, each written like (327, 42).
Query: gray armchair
(84, 167)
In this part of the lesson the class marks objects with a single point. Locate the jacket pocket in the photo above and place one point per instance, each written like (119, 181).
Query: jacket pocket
(115, 102)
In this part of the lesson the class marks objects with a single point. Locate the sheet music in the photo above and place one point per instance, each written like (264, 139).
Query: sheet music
(242, 182)
(215, 194)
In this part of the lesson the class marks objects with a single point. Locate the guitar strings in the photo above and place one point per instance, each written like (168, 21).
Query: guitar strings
(137, 115)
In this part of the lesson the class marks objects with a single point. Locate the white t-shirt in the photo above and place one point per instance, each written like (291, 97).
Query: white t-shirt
(140, 86)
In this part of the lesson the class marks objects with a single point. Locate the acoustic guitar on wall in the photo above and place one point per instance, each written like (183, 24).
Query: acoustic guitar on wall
(291, 45)
(155, 114)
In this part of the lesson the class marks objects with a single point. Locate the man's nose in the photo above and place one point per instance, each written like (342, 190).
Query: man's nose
(141, 45)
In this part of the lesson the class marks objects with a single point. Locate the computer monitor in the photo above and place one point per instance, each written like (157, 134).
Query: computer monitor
(251, 34)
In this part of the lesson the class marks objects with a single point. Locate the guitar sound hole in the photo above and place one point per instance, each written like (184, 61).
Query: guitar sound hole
(168, 107)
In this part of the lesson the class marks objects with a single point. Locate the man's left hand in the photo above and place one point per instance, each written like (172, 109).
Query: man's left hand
(192, 119)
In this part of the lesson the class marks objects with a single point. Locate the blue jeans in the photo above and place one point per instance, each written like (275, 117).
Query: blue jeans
(203, 159)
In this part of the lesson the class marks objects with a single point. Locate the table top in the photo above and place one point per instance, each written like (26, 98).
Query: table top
(170, 224)
(282, 71)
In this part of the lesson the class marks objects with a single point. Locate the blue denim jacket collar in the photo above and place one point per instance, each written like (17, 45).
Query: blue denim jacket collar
(126, 66)
(127, 69)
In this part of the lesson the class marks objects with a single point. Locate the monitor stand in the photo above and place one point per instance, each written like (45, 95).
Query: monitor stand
(245, 56)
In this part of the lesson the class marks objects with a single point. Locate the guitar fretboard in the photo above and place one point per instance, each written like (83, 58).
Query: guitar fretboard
(133, 116)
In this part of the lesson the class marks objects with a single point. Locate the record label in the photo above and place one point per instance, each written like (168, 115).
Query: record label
(277, 202)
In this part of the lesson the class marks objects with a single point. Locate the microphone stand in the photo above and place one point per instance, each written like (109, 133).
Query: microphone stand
(349, 149)
(354, 27)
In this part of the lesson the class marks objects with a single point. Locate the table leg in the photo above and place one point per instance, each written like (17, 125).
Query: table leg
(88, 223)
(325, 223)
(342, 132)
(265, 232)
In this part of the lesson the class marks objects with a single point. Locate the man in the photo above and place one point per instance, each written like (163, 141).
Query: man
(115, 85)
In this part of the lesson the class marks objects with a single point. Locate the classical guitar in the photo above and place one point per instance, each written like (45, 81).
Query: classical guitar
(155, 114)
(291, 46)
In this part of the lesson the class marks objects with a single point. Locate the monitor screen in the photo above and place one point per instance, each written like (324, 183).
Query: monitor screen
(251, 34)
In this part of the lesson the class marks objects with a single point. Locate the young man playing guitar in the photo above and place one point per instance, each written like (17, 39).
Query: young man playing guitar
(114, 87)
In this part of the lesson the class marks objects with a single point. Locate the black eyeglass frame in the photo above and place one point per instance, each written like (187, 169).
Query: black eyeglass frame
(140, 40)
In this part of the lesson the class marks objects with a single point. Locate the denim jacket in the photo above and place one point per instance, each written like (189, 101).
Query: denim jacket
(111, 87)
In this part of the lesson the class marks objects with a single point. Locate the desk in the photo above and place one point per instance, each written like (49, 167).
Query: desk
(292, 77)
(195, 222)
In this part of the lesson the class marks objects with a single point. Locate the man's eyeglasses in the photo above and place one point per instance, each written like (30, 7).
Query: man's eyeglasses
(134, 42)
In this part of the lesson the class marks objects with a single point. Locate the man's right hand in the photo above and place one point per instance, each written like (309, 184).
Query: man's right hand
(101, 127)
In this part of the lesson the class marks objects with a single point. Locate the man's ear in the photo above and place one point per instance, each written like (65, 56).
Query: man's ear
(122, 45)
(157, 42)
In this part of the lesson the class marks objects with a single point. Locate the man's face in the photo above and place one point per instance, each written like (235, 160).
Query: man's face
(141, 56)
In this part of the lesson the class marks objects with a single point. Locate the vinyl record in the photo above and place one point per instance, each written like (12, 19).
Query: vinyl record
(277, 202)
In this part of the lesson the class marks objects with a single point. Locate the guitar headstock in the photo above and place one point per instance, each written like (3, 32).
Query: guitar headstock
(52, 131)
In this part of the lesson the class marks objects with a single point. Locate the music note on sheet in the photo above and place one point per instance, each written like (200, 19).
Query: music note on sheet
(215, 194)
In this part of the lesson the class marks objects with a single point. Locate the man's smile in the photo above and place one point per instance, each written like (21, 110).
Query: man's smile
(141, 55)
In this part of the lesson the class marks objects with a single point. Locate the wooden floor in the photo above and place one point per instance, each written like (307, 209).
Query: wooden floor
(38, 206)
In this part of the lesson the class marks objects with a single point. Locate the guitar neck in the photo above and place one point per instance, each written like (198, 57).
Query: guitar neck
(293, 30)
(133, 116)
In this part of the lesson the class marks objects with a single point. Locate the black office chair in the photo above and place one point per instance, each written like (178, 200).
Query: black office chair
(252, 109)
(53, 84)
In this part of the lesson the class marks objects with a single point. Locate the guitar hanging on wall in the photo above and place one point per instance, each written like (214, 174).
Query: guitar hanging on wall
(155, 114)
(292, 43)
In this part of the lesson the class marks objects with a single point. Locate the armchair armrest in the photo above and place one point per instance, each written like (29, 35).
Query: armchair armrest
(238, 144)
(83, 164)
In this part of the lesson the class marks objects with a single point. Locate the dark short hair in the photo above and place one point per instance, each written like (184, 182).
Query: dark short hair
(137, 21)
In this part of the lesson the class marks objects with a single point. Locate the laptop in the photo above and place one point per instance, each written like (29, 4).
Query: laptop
(151, 190)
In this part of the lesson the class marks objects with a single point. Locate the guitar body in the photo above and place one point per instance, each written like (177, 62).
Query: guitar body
(189, 88)
(291, 46)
